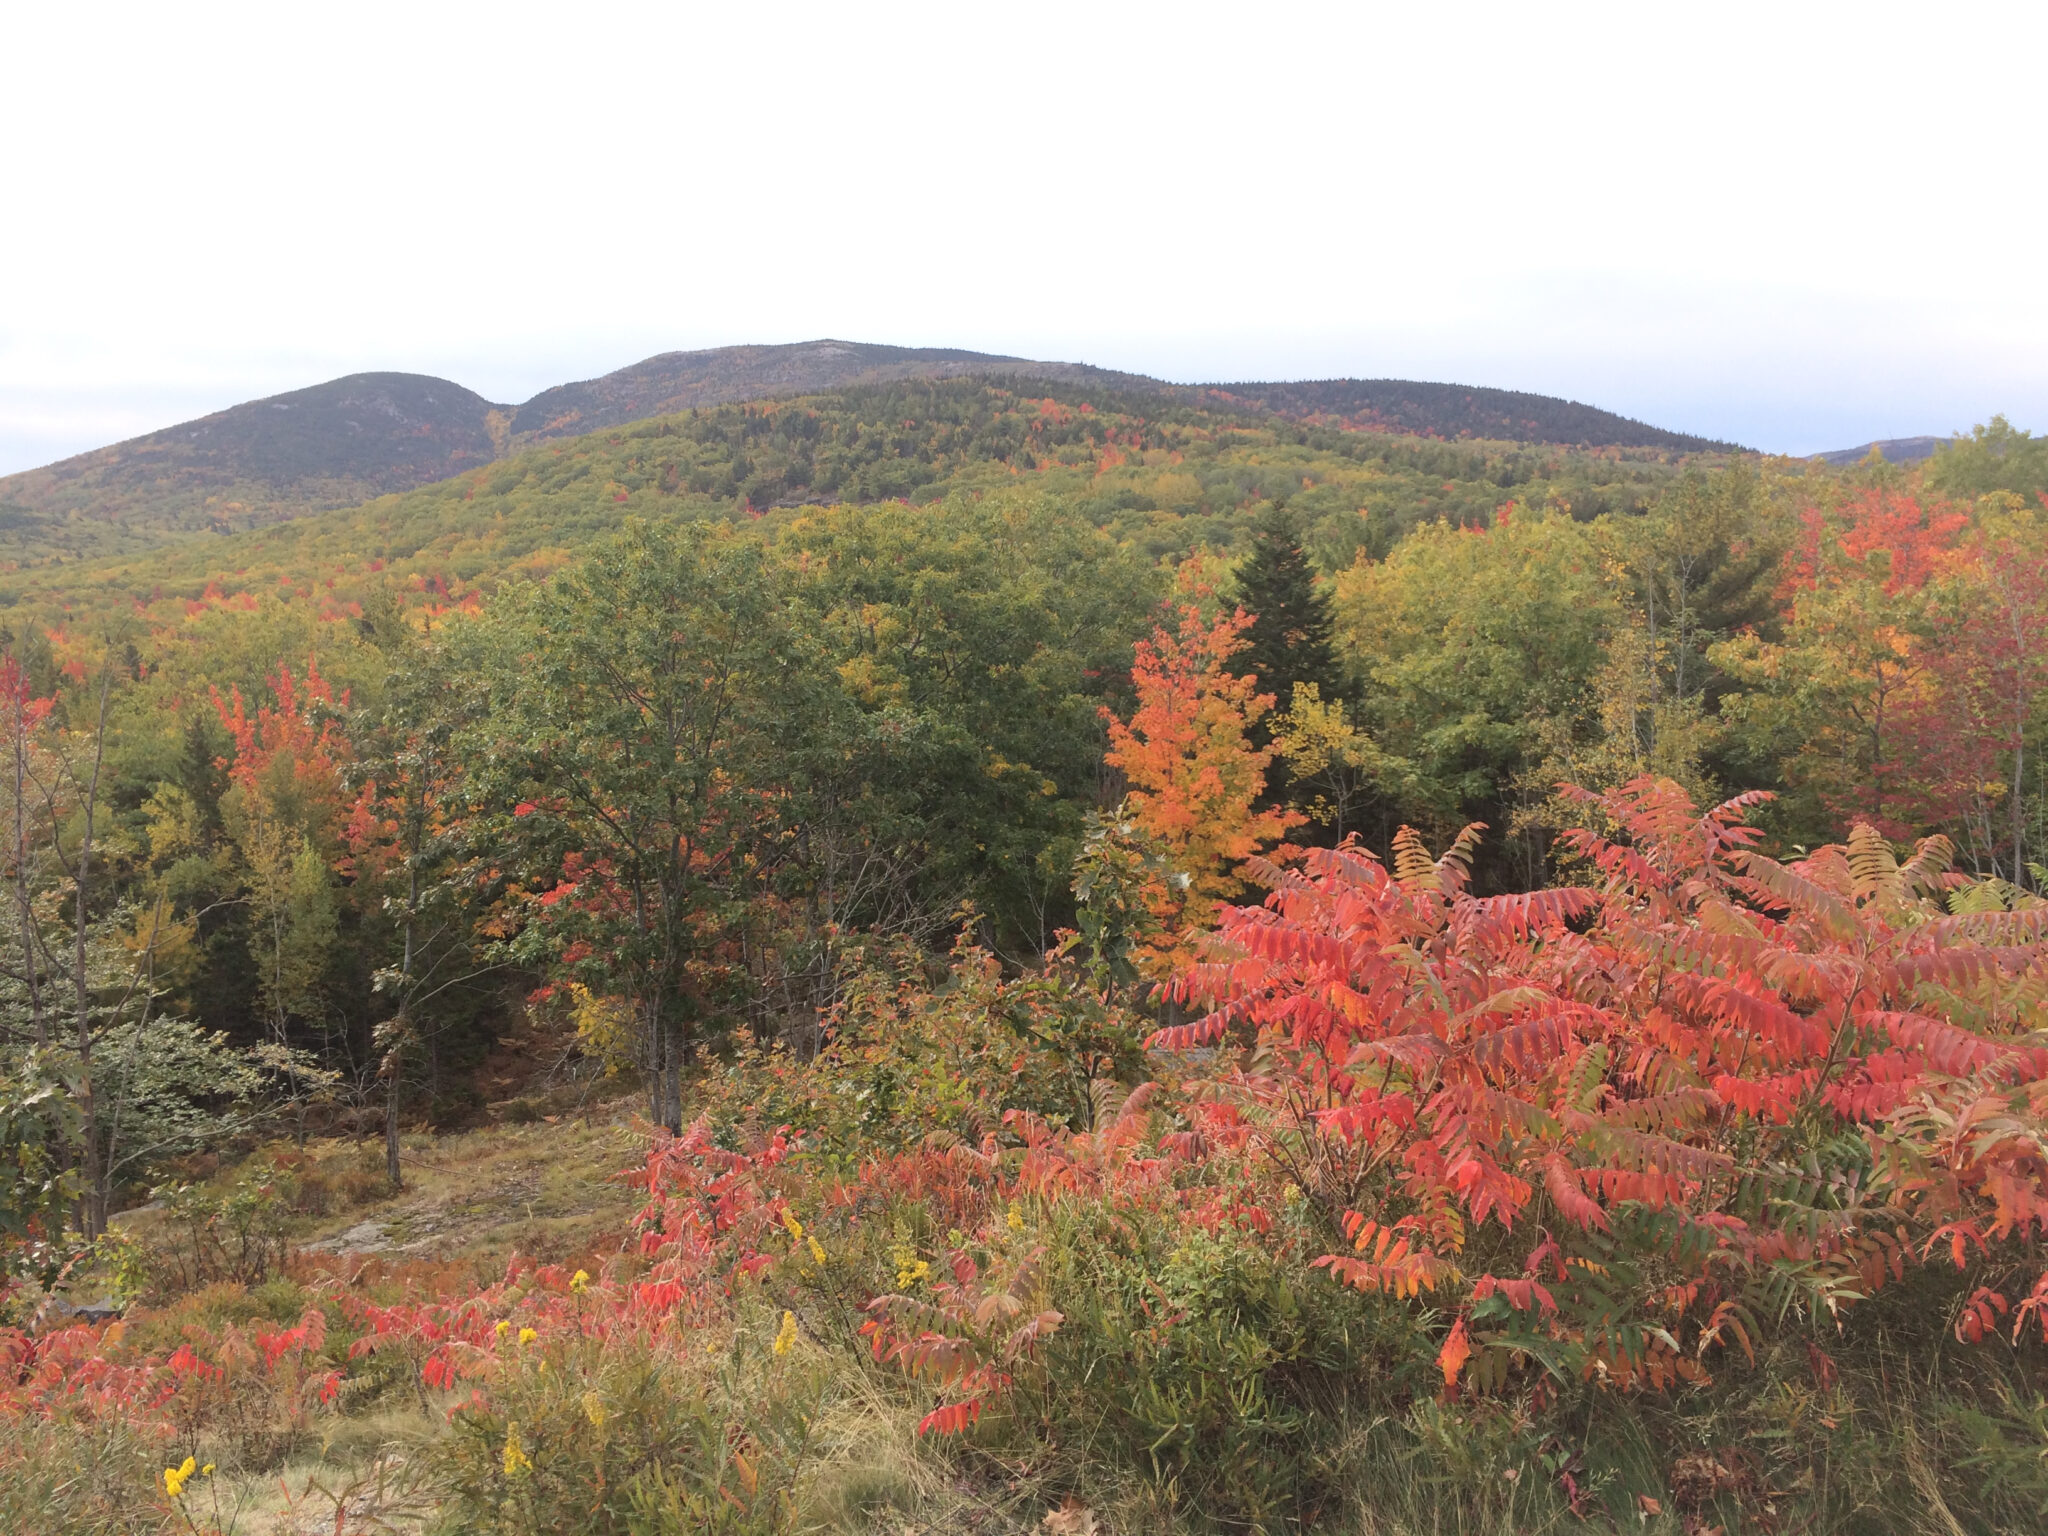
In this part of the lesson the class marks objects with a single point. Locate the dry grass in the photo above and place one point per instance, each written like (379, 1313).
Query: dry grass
(547, 1189)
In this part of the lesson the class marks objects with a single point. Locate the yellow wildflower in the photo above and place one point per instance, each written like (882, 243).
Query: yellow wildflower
(593, 1409)
(909, 1267)
(579, 1280)
(516, 1460)
(527, 1336)
(175, 1477)
(1014, 1220)
(796, 1228)
(785, 1336)
(817, 1249)
(207, 1470)
(504, 1327)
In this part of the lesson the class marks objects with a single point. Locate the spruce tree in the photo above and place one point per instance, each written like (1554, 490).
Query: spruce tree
(1290, 638)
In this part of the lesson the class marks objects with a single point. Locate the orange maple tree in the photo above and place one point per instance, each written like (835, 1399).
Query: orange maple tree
(288, 761)
(1195, 778)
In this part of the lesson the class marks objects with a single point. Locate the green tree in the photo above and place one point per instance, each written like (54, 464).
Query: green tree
(39, 1126)
(632, 763)
(1700, 567)
(972, 645)
(1996, 456)
(1334, 768)
(1705, 563)
(413, 847)
(1477, 644)
(1292, 636)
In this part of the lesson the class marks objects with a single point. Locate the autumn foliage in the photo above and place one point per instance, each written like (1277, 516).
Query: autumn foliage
(1273, 1143)
(1195, 778)
(1698, 1090)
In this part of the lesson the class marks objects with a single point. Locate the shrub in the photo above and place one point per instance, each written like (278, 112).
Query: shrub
(909, 1054)
(624, 1435)
(1639, 1199)
(237, 1236)
(80, 1480)
(1610, 1128)
(1213, 1363)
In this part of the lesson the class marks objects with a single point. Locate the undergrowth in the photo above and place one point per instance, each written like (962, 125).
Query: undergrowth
(1703, 1198)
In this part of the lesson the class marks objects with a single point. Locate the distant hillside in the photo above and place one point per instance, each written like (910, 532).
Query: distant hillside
(335, 445)
(1162, 473)
(1896, 450)
(1458, 411)
(678, 381)
(345, 442)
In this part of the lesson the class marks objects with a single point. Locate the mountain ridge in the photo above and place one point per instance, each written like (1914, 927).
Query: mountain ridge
(1896, 450)
(348, 440)
(670, 382)
(1418, 408)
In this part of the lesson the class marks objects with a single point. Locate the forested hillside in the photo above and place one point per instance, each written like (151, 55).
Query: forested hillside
(1156, 967)
(1894, 450)
(339, 443)
(330, 446)
(1165, 478)
(680, 381)
(1458, 411)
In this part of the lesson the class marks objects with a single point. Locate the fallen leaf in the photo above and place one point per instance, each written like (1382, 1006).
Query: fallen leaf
(1072, 1518)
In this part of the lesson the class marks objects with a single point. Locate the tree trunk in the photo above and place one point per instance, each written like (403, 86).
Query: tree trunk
(31, 960)
(93, 1206)
(394, 1061)
(391, 1169)
(657, 1060)
(672, 1101)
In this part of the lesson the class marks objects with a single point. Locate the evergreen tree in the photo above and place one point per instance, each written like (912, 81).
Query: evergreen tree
(1290, 637)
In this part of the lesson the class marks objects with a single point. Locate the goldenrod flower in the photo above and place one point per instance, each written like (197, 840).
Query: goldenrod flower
(175, 1477)
(579, 1280)
(785, 1336)
(1014, 1220)
(527, 1336)
(909, 1267)
(207, 1470)
(593, 1409)
(817, 1249)
(504, 1327)
(516, 1460)
(796, 1228)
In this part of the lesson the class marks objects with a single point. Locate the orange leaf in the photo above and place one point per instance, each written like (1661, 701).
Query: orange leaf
(1456, 1351)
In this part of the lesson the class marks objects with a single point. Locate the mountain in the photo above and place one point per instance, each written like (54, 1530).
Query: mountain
(680, 381)
(1896, 450)
(312, 450)
(372, 434)
(1458, 411)
(1163, 472)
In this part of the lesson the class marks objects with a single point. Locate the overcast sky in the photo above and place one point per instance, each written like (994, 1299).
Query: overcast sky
(1795, 226)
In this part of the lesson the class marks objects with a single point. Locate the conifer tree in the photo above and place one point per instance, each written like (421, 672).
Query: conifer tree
(1289, 640)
